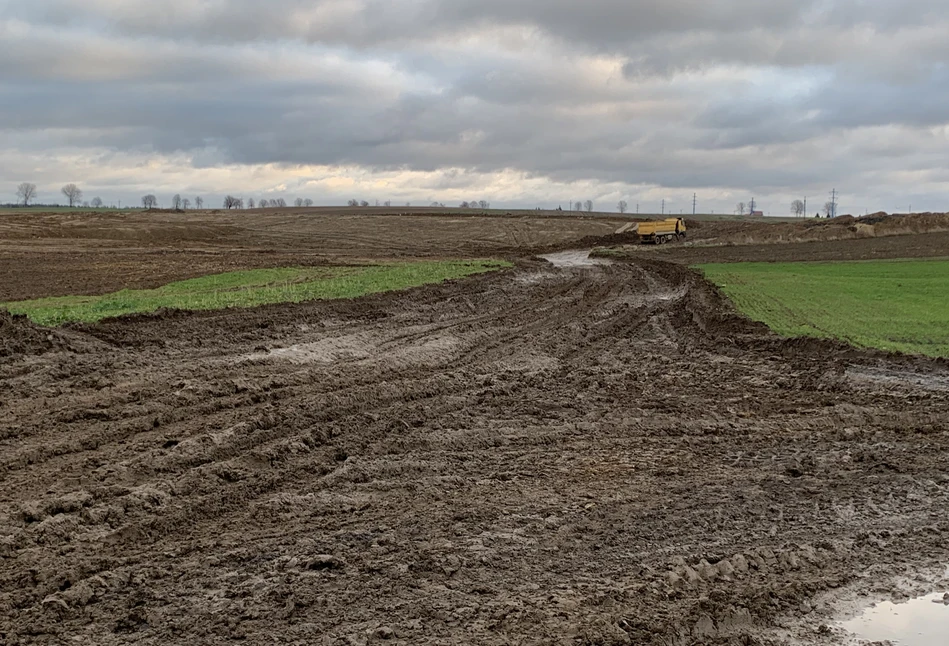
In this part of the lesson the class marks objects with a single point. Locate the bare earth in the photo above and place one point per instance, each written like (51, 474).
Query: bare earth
(583, 455)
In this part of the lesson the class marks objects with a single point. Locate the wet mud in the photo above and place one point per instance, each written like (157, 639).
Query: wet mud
(546, 455)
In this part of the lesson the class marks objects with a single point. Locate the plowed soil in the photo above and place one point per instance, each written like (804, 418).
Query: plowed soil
(586, 455)
(57, 254)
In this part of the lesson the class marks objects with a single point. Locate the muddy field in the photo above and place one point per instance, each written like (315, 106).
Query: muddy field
(592, 454)
(588, 455)
(94, 253)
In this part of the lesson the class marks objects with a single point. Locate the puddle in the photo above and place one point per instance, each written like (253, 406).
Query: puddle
(898, 377)
(920, 622)
(574, 259)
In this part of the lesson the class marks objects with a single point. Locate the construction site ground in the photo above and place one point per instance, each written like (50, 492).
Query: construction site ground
(589, 454)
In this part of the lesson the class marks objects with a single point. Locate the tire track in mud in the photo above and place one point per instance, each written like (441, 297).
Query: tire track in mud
(597, 455)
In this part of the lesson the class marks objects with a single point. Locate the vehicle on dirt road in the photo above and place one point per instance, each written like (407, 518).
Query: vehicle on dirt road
(661, 231)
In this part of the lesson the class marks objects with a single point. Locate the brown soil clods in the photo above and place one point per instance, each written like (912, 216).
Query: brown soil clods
(590, 455)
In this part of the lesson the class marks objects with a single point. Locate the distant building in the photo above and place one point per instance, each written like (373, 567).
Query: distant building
(758, 213)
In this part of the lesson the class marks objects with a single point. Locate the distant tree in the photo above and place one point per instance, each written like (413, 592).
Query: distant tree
(280, 202)
(829, 209)
(176, 202)
(622, 206)
(464, 205)
(307, 202)
(263, 203)
(199, 202)
(250, 202)
(387, 203)
(797, 208)
(231, 202)
(298, 202)
(589, 206)
(85, 205)
(96, 203)
(72, 193)
(578, 206)
(484, 204)
(150, 201)
(186, 204)
(352, 203)
(26, 192)
(740, 208)
(364, 204)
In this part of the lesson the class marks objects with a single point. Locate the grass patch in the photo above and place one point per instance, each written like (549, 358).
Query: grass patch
(251, 288)
(893, 305)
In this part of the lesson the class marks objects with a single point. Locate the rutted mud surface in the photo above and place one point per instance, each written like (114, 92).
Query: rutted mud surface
(581, 456)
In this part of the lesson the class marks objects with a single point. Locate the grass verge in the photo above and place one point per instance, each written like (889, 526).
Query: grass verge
(889, 304)
(251, 288)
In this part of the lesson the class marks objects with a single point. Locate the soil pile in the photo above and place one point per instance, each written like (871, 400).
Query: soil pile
(845, 227)
(19, 336)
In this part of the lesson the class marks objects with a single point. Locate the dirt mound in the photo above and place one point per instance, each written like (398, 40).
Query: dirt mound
(19, 336)
(845, 227)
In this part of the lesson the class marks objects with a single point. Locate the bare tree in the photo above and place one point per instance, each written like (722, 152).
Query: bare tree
(72, 193)
(364, 203)
(352, 203)
(298, 202)
(578, 206)
(484, 204)
(85, 205)
(829, 208)
(589, 206)
(622, 206)
(176, 202)
(740, 208)
(186, 204)
(280, 202)
(231, 202)
(307, 202)
(26, 192)
(797, 208)
(263, 203)
(464, 205)
(250, 202)
(199, 202)
(387, 203)
(96, 203)
(149, 201)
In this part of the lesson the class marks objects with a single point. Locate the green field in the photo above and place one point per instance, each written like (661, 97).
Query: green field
(898, 305)
(251, 288)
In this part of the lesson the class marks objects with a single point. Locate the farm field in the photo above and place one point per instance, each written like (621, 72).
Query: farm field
(892, 305)
(549, 454)
(250, 288)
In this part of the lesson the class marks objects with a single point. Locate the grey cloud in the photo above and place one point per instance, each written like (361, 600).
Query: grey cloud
(738, 94)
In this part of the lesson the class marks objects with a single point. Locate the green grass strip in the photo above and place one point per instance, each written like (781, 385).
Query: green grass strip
(251, 288)
(898, 305)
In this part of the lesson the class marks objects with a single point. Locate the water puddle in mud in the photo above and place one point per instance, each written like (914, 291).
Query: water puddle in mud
(920, 622)
(574, 259)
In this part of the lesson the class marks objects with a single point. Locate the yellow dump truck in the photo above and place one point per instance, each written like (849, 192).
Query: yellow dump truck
(661, 231)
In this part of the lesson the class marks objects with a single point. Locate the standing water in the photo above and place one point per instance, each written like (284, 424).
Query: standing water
(920, 622)
(574, 259)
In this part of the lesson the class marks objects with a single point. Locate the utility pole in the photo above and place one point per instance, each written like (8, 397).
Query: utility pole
(805, 206)
(663, 206)
(833, 203)
(637, 208)
(695, 198)
(751, 208)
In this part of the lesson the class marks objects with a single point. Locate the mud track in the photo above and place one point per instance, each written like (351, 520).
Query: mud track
(601, 455)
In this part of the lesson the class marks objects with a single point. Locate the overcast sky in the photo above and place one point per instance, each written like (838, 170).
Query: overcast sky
(520, 102)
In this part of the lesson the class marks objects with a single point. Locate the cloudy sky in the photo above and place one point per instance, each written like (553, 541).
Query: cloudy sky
(521, 102)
